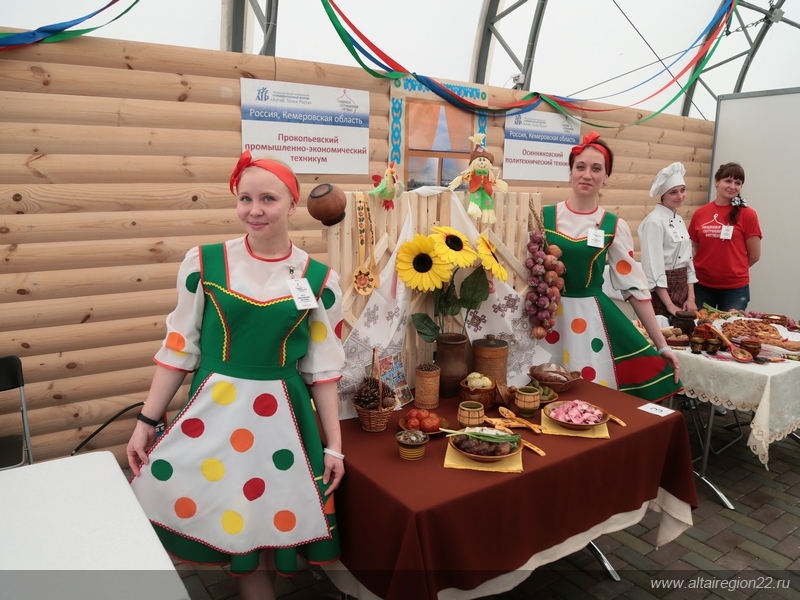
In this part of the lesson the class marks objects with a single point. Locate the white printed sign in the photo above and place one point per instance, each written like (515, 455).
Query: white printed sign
(312, 128)
(537, 146)
(656, 409)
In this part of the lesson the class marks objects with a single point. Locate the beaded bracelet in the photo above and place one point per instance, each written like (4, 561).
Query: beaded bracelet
(664, 349)
(333, 453)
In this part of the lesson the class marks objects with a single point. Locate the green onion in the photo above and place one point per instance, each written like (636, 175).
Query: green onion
(494, 438)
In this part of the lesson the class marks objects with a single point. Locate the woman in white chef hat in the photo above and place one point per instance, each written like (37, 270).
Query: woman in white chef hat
(666, 247)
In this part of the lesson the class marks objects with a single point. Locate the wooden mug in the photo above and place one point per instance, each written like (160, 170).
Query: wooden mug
(470, 413)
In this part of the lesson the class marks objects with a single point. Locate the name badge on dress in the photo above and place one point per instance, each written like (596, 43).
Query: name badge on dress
(676, 237)
(595, 238)
(726, 233)
(302, 294)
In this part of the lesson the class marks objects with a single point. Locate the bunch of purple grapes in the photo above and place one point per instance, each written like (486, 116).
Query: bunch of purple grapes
(545, 284)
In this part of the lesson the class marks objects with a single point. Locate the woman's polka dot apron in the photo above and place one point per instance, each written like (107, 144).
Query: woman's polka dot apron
(240, 467)
(592, 335)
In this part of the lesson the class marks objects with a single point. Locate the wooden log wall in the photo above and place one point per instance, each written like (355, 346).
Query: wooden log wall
(114, 161)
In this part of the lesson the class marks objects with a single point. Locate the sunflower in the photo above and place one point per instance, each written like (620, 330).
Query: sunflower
(453, 246)
(489, 258)
(420, 267)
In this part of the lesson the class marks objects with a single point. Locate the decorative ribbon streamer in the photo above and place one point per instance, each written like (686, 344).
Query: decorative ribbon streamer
(56, 32)
(666, 68)
(393, 70)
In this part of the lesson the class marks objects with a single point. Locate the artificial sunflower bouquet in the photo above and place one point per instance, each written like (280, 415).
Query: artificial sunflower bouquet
(430, 263)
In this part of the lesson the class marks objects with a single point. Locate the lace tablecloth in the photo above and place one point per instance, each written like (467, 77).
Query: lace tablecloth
(771, 390)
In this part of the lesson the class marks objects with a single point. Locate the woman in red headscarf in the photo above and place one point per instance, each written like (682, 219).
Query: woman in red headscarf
(591, 334)
(240, 476)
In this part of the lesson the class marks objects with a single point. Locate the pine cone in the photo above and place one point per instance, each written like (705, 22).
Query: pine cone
(367, 396)
(388, 400)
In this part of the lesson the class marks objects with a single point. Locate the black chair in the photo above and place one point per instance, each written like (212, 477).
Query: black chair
(13, 448)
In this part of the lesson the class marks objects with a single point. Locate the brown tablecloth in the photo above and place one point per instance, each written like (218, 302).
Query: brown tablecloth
(412, 528)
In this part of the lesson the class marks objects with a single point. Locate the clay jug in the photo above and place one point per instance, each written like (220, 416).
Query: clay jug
(452, 360)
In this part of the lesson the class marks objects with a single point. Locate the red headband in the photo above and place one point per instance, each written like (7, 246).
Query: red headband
(589, 140)
(282, 172)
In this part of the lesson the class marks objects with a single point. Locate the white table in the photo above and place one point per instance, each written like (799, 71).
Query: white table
(72, 528)
(771, 391)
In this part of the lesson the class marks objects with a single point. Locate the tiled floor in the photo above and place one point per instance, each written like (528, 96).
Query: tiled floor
(726, 554)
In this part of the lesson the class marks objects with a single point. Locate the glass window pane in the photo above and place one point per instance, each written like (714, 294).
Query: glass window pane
(422, 171)
(452, 168)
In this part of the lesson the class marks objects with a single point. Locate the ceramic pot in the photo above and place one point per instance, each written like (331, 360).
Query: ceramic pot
(326, 203)
(752, 346)
(451, 357)
(483, 395)
(684, 320)
(411, 444)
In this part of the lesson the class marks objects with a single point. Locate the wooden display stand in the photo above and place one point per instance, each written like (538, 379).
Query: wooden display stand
(426, 213)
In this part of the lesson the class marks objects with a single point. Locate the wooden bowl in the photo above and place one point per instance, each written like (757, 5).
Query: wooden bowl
(574, 426)
(483, 395)
(485, 459)
(543, 377)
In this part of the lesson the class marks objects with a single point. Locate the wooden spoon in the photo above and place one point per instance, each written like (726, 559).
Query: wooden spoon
(525, 443)
(373, 265)
(503, 422)
(617, 420)
(510, 415)
(362, 278)
(536, 449)
(739, 354)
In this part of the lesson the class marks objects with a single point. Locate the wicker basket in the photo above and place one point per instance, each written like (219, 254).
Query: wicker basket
(426, 392)
(375, 420)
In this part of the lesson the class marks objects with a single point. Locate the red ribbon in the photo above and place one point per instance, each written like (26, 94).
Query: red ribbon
(282, 172)
(589, 141)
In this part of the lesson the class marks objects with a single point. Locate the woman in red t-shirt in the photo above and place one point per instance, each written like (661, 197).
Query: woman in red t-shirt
(726, 238)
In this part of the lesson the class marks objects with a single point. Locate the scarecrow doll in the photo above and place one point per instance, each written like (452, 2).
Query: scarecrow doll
(481, 180)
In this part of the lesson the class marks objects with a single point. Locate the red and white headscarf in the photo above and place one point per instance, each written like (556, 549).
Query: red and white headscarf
(281, 171)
